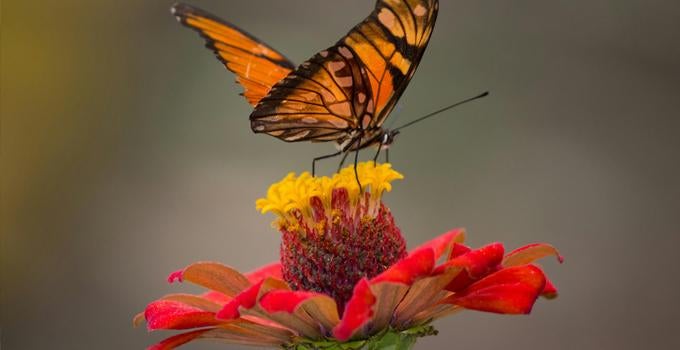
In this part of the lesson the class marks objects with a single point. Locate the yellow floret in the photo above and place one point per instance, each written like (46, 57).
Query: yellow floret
(294, 192)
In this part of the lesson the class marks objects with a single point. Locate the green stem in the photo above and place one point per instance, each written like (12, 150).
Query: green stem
(386, 340)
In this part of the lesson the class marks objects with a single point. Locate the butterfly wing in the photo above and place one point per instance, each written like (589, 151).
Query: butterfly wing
(257, 66)
(352, 87)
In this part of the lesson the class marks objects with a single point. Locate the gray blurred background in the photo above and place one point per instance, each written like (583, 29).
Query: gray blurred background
(127, 154)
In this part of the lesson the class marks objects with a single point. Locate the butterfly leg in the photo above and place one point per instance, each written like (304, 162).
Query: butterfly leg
(342, 161)
(346, 151)
(321, 158)
(356, 172)
(387, 155)
(380, 146)
(356, 163)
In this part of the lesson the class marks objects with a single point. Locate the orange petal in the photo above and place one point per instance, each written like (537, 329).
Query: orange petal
(388, 295)
(422, 295)
(321, 308)
(194, 300)
(217, 277)
(530, 253)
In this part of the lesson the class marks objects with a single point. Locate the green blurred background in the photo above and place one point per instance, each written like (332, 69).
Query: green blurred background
(127, 154)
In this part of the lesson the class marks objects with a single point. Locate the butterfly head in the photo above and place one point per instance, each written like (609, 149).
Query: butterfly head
(388, 137)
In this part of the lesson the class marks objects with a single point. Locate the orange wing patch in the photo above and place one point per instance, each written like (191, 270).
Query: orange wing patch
(346, 92)
(256, 65)
(391, 42)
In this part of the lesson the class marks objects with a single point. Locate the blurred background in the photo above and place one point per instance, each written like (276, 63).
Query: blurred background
(127, 154)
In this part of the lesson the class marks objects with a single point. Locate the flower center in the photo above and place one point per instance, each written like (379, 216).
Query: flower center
(332, 234)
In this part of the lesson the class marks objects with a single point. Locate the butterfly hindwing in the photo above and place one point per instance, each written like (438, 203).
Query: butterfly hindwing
(257, 66)
(350, 88)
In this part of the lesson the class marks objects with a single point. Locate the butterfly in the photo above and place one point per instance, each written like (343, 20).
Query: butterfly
(342, 94)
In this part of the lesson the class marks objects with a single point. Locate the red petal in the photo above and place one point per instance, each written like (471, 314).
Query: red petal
(271, 270)
(284, 300)
(170, 314)
(508, 291)
(480, 262)
(246, 299)
(418, 264)
(176, 276)
(549, 291)
(530, 253)
(444, 243)
(177, 340)
(476, 264)
(458, 250)
(358, 311)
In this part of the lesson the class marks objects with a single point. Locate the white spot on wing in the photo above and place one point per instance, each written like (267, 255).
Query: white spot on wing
(336, 66)
(386, 17)
(420, 10)
(338, 123)
(345, 52)
(298, 136)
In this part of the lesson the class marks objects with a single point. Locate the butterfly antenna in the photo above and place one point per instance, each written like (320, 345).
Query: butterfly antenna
(442, 110)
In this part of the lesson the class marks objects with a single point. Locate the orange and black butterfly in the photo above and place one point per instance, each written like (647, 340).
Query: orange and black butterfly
(342, 94)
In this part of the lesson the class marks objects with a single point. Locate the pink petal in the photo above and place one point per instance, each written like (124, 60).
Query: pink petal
(170, 314)
(271, 270)
(530, 253)
(444, 243)
(358, 311)
(512, 290)
(418, 264)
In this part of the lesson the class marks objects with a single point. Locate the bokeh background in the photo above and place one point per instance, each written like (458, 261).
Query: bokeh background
(127, 154)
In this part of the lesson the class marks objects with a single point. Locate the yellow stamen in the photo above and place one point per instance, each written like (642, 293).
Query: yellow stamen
(293, 193)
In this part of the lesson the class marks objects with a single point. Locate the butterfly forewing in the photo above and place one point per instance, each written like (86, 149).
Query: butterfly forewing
(391, 42)
(320, 101)
(257, 66)
(350, 89)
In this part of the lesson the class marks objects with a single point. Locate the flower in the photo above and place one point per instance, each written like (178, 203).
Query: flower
(345, 279)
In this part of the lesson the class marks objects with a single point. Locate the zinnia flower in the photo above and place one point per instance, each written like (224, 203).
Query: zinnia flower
(345, 279)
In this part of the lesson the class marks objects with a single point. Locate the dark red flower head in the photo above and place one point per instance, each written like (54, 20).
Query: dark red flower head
(344, 276)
